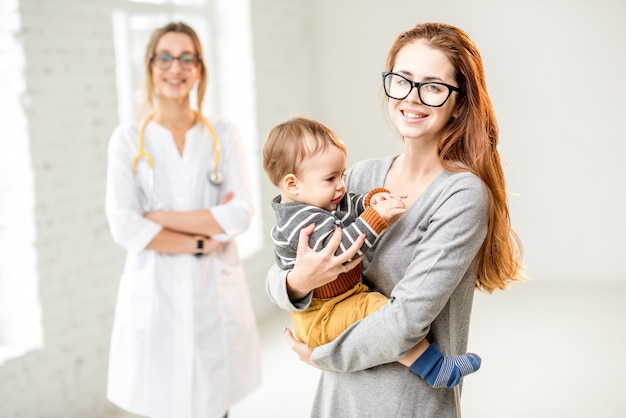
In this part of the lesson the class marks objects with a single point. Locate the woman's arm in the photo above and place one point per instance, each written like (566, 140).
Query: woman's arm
(234, 216)
(172, 242)
(123, 208)
(195, 222)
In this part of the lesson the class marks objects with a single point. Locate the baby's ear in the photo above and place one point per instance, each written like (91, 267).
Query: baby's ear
(290, 183)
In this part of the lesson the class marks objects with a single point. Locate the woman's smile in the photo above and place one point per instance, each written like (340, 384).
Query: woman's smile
(411, 114)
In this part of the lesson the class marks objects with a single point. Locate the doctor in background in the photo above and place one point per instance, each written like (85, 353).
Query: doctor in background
(184, 341)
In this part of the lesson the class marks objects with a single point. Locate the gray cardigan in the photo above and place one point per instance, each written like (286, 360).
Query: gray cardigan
(426, 264)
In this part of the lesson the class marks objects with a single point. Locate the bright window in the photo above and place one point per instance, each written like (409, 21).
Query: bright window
(20, 310)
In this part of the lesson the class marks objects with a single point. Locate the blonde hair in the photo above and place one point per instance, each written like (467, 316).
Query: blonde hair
(471, 139)
(293, 141)
(176, 27)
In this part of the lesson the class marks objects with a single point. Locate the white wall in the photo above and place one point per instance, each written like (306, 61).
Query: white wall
(69, 103)
(555, 71)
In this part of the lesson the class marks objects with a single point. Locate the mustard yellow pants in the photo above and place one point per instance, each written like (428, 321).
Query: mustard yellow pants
(326, 319)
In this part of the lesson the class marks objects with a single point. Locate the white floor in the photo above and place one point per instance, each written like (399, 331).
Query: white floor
(288, 384)
(548, 350)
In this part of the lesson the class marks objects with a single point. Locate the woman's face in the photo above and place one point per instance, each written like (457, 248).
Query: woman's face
(175, 50)
(420, 63)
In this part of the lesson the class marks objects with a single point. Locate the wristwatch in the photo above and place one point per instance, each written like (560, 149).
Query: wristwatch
(199, 246)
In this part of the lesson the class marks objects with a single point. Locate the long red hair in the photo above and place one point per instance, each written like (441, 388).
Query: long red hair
(471, 139)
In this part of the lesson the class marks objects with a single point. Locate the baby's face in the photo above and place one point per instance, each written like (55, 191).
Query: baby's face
(320, 179)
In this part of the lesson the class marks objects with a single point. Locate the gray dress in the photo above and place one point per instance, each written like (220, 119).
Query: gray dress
(426, 264)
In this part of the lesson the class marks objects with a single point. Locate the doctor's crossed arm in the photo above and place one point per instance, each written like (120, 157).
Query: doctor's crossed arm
(183, 229)
(172, 242)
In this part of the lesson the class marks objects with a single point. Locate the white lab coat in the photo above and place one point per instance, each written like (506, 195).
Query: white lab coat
(184, 341)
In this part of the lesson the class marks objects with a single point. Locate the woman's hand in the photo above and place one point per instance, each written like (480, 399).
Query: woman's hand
(194, 222)
(316, 268)
(304, 352)
(156, 216)
(229, 196)
(211, 245)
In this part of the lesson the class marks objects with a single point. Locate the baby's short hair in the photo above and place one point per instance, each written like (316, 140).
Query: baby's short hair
(291, 142)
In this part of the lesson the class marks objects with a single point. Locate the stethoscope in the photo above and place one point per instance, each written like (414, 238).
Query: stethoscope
(214, 175)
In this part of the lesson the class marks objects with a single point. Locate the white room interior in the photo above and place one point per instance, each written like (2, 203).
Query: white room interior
(555, 71)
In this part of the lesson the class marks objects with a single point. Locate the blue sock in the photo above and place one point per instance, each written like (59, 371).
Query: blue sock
(440, 371)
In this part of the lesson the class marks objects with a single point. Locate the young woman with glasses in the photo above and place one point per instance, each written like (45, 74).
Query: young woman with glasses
(454, 237)
(185, 342)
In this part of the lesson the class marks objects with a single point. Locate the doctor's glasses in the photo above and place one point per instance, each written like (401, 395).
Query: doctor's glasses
(163, 61)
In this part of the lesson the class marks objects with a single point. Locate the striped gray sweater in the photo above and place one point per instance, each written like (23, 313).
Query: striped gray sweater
(353, 215)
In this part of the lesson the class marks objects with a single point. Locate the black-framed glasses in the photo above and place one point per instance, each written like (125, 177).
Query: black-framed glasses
(431, 93)
(164, 61)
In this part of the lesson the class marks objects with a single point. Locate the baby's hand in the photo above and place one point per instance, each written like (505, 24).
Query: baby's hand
(380, 196)
(389, 206)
